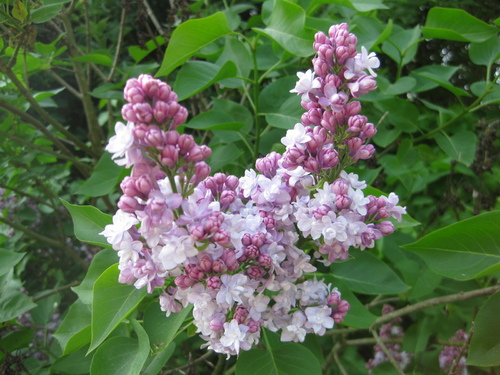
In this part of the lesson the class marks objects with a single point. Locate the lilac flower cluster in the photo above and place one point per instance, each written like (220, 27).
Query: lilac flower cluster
(454, 355)
(391, 330)
(229, 245)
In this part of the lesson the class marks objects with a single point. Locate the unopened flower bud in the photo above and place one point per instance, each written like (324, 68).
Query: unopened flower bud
(205, 263)
(213, 282)
(218, 266)
(186, 143)
(184, 282)
(128, 204)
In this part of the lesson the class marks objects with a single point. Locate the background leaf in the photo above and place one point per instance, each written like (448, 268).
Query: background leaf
(456, 24)
(9, 259)
(74, 331)
(485, 347)
(464, 250)
(103, 179)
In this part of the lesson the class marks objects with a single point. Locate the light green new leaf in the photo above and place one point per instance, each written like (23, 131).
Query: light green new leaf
(464, 250)
(74, 331)
(45, 13)
(370, 31)
(485, 347)
(191, 36)
(88, 222)
(286, 359)
(442, 71)
(102, 260)
(9, 259)
(456, 24)
(485, 53)
(196, 76)
(103, 179)
(359, 5)
(111, 303)
(367, 274)
(401, 86)
(287, 28)
(460, 146)
(288, 114)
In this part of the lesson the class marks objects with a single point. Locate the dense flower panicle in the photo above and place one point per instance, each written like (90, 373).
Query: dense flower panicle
(229, 245)
(455, 355)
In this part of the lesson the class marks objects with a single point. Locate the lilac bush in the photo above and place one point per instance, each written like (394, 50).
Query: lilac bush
(229, 245)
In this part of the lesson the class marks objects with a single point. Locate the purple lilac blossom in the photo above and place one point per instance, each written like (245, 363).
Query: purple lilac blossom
(229, 245)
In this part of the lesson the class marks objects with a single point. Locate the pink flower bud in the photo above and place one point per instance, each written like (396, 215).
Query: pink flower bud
(265, 260)
(333, 299)
(385, 227)
(160, 111)
(186, 143)
(140, 131)
(354, 144)
(218, 266)
(163, 92)
(154, 137)
(143, 112)
(143, 184)
(169, 156)
(171, 137)
(222, 237)
(133, 94)
(311, 165)
(246, 240)
(128, 113)
(340, 186)
(328, 158)
(227, 197)
(368, 131)
(179, 117)
(149, 85)
(252, 251)
(196, 273)
(128, 204)
(326, 52)
(216, 324)
(342, 201)
(184, 282)
(229, 258)
(206, 263)
(232, 182)
(128, 186)
(259, 239)
(353, 108)
(201, 171)
(253, 326)
(198, 233)
(220, 178)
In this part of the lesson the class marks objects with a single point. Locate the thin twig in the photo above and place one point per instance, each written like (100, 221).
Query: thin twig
(386, 351)
(59, 79)
(153, 18)
(200, 359)
(462, 296)
(119, 45)
(55, 291)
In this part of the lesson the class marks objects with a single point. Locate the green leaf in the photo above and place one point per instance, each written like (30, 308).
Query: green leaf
(370, 31)
(401, 86)
(196, 76)
(160, 328)
(75, 363)
(456, 24)
(464, 250)
(367, 274)
(111, 303)
(359, 5)
(460, 146)
(19, 11)
(103, 179)
(485, 347)
(493, 95)
(191, 36)
(119, 356)
(155, 363)
(45, 13)
(485, 53)
(288, 114)
(74, 331)
(443, 83)
(214, 120)
(219, 158)
(442, 71)
(14, 304)
(96, 58)
(401, 113)
(287, 28)
(88, 222)
(138, 53)
(237, 52)
(14, 340)
(102, 260)
(287, 359)
(402, 46)
(9, 259)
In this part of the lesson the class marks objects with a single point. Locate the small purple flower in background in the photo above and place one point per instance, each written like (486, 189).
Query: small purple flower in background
(229, 245)
(455, 356)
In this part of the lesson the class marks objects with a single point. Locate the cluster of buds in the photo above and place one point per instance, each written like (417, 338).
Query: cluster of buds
(394, 331)
(229, 245)
(455, 356)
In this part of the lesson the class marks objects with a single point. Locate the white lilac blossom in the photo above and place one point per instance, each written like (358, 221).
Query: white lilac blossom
(230, 246)
(306, 84)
